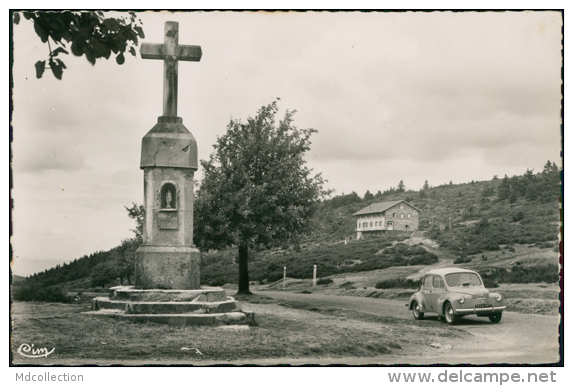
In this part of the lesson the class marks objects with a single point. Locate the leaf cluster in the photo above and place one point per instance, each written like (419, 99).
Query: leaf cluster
(85, 33)
(257, 189)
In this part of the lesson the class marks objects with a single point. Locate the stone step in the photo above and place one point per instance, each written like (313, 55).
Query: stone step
(136, 307)
(228, 318)
(203, 294)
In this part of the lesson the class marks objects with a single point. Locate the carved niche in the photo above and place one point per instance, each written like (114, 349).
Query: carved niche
(168, 204)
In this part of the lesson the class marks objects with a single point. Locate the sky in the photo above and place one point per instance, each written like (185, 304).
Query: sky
(411, 96)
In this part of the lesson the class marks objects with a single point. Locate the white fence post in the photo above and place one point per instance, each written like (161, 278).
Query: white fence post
(284, 278)
(314, 278)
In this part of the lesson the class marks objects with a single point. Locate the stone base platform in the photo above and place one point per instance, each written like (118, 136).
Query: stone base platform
(200, 307)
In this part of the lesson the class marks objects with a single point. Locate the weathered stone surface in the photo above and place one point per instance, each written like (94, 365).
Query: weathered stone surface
(196, 319)
(237, 327)
(190, 319)
(168, 307)
(169, 144)
(201, 298)
(127, 302)
(164, 267)
(217, 294)
(168, 226)
(171, 53)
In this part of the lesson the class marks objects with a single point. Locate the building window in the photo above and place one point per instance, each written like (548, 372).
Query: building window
(370, 223)
(393, 214)
(407, 226)
(358, 225)
(409, 215)
(401, 215)
(390, 223)
(401, 206)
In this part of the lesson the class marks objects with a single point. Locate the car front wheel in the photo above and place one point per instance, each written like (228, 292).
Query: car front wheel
(418, 314)
(449, 315)
(495, 318)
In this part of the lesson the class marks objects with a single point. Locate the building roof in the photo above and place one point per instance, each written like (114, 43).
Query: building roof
(381, 207)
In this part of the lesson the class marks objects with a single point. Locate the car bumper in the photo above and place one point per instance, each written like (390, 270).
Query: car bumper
(479, 311)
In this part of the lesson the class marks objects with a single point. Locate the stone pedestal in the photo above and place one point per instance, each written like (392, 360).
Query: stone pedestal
(162, 267)
(167, 259)
(205, 306)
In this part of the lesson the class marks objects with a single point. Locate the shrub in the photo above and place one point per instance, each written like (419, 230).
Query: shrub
(35, 292)
(275, 277)
(463, 259)
(517, 216)
(322, 281)
(489, 282)
(547, 273)
(398, 283)
(218, 282)
(426, 259)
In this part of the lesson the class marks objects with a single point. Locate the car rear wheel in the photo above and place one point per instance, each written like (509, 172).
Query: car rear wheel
(416, 311)
(449, 315)
(495, 318)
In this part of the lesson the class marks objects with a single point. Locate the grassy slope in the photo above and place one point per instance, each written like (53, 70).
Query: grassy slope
(531, 240)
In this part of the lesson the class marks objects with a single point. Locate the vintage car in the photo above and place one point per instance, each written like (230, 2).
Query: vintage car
(453, 293)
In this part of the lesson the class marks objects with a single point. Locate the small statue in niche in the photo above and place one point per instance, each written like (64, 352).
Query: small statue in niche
(168, 197)
(168, 200)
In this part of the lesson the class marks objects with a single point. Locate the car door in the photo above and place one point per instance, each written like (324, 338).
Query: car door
(427, 293)
(438, 289)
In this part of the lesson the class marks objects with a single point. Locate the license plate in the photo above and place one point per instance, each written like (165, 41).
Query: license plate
(484, 305)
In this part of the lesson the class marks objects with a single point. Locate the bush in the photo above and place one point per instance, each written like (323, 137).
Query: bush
(35, 292)
(517, 216)
(463, 259)
(547, 273)
(398, 283)
(322, 281)
(489, 282)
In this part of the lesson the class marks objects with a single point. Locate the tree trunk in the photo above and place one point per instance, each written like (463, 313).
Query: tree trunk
(244, 270)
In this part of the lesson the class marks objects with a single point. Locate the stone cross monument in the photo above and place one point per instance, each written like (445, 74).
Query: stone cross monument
(167, 259)
(167, 264)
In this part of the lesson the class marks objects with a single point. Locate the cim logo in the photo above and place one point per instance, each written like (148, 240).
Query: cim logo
(30, 352)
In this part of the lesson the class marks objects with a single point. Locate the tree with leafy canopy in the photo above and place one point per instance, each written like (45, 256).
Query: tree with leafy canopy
(137, 213)
(85, 33)
(401, 186)
(256, 190)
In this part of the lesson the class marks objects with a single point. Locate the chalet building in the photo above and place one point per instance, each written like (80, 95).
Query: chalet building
(376, 219)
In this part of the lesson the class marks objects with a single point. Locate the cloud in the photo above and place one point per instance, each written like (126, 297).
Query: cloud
(394, 96)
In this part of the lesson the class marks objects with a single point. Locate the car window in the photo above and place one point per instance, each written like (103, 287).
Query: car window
(428, 282)
(463, 279)
(438, 282)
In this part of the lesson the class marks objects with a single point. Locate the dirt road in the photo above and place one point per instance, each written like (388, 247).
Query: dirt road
(518, 338)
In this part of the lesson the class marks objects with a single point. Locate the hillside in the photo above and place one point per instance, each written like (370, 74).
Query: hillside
(486, 225)
(481, 225)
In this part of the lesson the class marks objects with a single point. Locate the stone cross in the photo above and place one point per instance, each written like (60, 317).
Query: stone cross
(170, 52)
